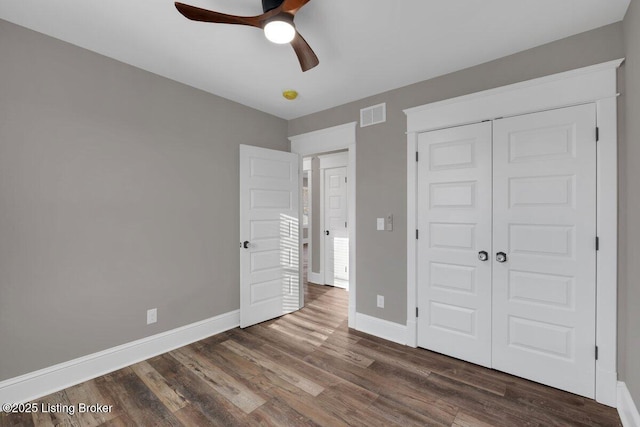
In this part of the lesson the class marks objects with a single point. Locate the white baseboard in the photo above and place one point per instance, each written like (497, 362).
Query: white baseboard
(316, 278)
(340, 283)
(627, 409)
(45, 381)
(381, 328)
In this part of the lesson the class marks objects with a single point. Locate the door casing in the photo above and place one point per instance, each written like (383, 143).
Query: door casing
(594, 84)
(337, 138)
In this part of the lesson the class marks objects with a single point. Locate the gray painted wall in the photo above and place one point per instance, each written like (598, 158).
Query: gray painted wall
(381, 153)
(629, 210)
(118, 193)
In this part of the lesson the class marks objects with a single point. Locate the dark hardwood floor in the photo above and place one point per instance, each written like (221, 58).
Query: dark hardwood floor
(309, 369)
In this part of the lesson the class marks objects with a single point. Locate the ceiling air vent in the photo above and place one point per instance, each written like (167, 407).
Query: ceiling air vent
(373, 115)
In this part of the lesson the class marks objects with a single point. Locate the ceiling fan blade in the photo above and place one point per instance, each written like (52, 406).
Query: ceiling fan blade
(204, 15)
(292, 6)
(306, 56)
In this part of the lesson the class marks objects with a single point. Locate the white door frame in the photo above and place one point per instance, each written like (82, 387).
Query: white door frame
(306, 167)
(594, 84)
(333, 139)
(328, 161)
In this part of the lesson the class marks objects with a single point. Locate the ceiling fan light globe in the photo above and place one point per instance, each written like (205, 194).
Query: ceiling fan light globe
(279, 32)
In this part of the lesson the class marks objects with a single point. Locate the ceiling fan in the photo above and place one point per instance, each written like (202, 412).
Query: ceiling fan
(276, 22)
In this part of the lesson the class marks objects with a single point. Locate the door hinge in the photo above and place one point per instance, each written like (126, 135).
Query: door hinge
(345, 179)
(597, 134)
(596, 352)
(416, 311)
(597, 243)
(416, 156)
(345, 268)
(345, 224)
(416, 234)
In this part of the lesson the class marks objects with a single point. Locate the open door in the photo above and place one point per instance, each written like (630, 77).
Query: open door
(270, 267)
(336, 238)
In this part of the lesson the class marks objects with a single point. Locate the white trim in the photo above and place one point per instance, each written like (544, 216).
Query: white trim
(306, 164)
(580, 86)
(321, 263)
(351, 217)
(627, 409)
(333, 139)
(300, 239)
(309, 241)
(381, 328)
(58, 377)
(315, 277)
(594, 84)
(324, 140)
(334, 160)
(607, 255)
(412, 243)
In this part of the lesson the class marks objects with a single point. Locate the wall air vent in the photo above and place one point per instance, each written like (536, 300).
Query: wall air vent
(373, 115)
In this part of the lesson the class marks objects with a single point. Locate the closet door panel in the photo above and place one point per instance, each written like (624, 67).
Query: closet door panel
(454, 220)
(544, 220)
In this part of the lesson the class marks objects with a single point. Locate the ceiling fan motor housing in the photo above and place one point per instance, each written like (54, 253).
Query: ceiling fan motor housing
(267, 5)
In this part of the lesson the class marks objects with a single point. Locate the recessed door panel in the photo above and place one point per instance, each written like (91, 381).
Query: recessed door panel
(452, 277)
(541, 143)
(453, 236)
(453, 319)
(541, 338)
(542, 191)
(270, 199)
(454, 202)
(543, 240)
(445, 195)
(452, 155)
(543, 289)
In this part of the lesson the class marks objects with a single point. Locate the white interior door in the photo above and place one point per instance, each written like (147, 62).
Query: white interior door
(544, 209)
(336, 236)
(454, 221)
(270, 268)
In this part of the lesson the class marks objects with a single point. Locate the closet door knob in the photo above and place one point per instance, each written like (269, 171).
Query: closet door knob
(483, 255)
(245, 244)
(501, 257)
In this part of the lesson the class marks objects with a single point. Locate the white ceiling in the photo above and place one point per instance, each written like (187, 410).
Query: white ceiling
(365, 46)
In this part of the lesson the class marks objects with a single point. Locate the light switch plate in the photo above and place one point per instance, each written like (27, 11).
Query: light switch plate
(380, 301)
(389, 224)
(380, 224)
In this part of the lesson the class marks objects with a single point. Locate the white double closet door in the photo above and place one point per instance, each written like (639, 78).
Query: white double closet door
(521, 190)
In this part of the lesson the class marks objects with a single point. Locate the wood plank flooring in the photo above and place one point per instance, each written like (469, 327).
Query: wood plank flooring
(309, 369)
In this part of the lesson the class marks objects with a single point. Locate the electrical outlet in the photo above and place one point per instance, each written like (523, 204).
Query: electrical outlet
(380, 301)
(152, 316)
